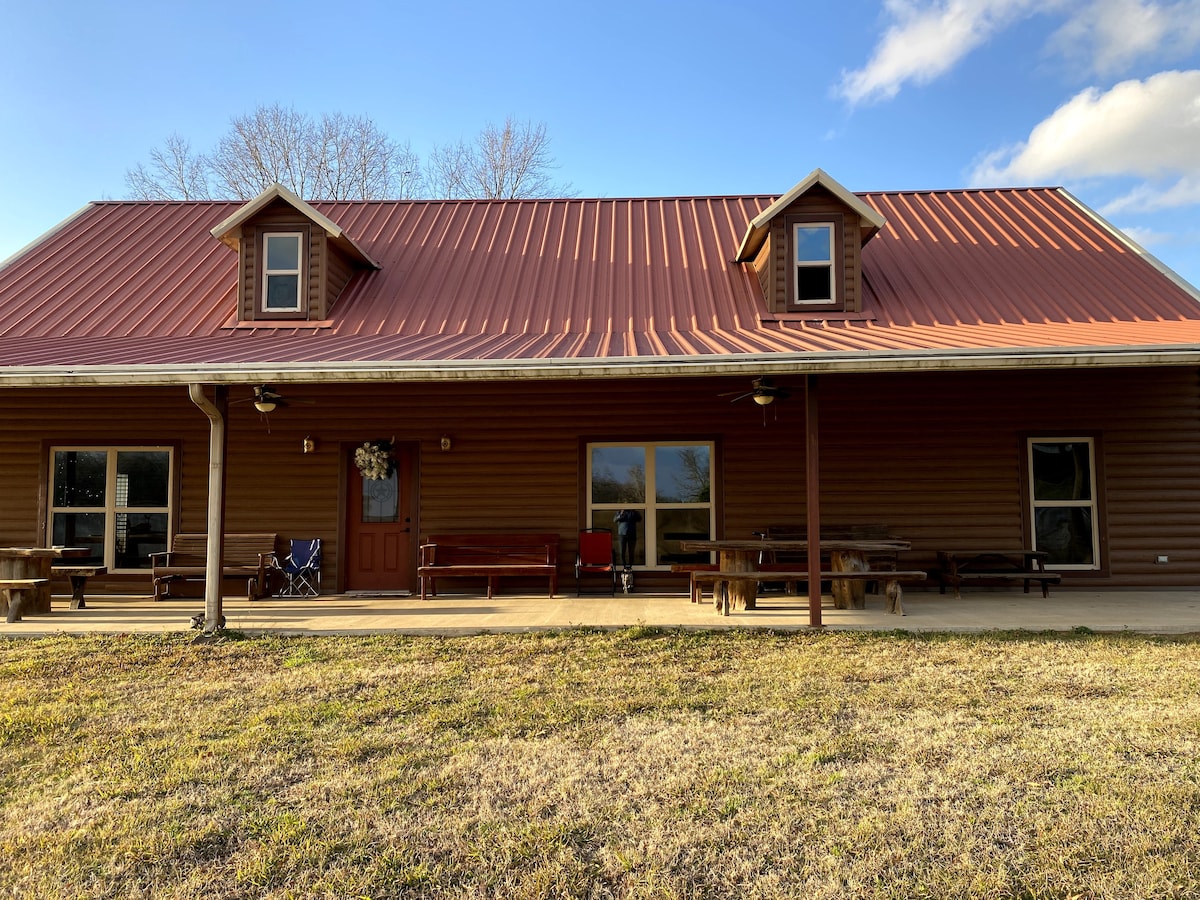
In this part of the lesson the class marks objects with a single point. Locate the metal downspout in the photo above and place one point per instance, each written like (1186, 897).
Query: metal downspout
(214, 617)
(812, 482)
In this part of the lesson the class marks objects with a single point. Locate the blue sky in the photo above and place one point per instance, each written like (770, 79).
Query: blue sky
(649, 98)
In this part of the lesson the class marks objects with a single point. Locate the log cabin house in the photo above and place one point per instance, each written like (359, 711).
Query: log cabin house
(964, 367)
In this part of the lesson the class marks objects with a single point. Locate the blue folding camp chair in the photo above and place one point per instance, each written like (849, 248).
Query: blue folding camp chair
(301, 569)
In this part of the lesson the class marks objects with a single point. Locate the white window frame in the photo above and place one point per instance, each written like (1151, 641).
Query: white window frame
(650, 507)
(112, 493)
(1091, 504)
(269, 271)
(813, 264)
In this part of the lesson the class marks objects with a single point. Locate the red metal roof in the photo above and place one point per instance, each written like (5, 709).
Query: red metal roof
(544, 283)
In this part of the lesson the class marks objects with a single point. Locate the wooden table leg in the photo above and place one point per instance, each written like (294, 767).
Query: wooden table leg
(849, 593)
(78, 583)
(742, 594)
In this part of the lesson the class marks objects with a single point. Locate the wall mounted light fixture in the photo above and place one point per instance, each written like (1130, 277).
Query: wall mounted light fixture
(445, 443)
(308, 445)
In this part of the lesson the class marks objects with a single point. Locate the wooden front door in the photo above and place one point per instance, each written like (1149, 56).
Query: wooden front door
(381, 550)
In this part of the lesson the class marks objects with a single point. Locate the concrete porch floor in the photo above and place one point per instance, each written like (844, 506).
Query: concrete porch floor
(1169, 612)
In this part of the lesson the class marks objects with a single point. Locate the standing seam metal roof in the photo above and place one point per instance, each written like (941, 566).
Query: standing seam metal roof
(145, 283)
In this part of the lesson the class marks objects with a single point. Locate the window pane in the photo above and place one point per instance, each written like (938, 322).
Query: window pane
(812, 244)
(1062, 471)
(675, 525)
(142, 477)
(79, 477)
(138, 535)
(282, 291)
(381, 498)
(283, 252)
(1065, 532)
(813, 284)
(80, 530)
(630, 548)
(681, 475)
(618, 475)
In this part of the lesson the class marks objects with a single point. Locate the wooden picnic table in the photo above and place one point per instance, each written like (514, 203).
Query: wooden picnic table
(844, 555)
(35, 566)
(1019, 564)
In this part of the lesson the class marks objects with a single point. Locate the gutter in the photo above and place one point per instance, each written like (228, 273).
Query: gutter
(824, 363)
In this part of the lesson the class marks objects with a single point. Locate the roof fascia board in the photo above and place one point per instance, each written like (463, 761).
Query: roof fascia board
(756, 232)
(279, 192)
(853, 362)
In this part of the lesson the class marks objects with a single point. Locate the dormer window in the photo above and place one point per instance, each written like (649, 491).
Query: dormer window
(806, 250)
(282, 259)
(293, 262)
(813, 245)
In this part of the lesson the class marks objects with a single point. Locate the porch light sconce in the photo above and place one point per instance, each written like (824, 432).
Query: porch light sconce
(308, 445)
(263, 405)
(445, 442)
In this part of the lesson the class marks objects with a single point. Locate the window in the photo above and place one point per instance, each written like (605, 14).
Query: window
(113, 501)
(282, 257)
(1063, 513)
(813, 247)
(669, 484)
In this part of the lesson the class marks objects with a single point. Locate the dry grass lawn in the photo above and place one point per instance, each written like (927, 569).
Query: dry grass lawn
(639, 763)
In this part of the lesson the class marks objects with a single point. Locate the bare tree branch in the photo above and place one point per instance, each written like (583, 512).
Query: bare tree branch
(265, 148)
(501, 164)
(175, 173)
(345, 157)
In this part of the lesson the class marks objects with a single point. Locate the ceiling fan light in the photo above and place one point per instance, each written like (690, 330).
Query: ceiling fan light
(763, 399)
(264, 405)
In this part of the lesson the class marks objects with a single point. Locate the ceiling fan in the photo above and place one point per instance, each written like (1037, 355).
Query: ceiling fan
(266, 399)
(762, 389)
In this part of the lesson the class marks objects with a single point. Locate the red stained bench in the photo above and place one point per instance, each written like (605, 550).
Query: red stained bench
(489, 556)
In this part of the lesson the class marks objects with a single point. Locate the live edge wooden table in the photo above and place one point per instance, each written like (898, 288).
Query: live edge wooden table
(743, 556)
(33, 565)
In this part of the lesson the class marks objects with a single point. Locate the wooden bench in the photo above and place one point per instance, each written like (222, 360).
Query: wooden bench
(890, 578)
(489, 556)
(12, 592)
(78, 576)
(769, 569)
(245, 556)
(957, 566)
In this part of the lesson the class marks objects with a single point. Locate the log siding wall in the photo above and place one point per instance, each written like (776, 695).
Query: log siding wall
(936, 456)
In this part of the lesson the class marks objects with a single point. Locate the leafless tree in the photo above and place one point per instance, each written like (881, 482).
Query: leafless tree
(174, 173)
(356, 160)
(340, 157)
(501, 163)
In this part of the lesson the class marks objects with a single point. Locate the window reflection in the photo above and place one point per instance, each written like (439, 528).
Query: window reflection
(618, 474)
(669, 485)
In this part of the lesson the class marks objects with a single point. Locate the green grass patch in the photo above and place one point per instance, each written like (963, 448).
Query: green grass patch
(642, 763)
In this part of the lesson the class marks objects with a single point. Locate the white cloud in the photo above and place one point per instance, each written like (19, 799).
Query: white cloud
(1145, 237)
(1149, 129)
(1153, 197)
(928, 40)
(1108, 36)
